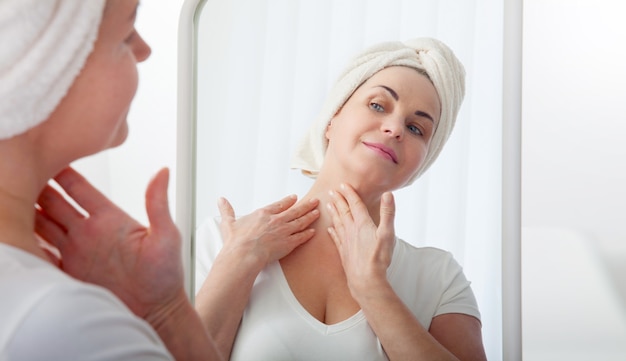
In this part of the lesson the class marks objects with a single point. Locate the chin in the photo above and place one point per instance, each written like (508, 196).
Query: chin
(120, 137)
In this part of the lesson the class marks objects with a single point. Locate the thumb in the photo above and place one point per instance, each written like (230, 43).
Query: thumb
(226, 210)
(387, 215)
(228, 216)
(157, 204)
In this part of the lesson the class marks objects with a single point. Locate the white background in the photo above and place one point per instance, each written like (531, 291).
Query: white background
(573, 177)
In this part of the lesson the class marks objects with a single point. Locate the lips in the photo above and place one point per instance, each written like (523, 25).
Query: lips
(383, 150)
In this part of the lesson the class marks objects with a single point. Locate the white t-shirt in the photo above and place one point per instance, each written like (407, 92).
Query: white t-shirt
(275, 326)
(47, 315)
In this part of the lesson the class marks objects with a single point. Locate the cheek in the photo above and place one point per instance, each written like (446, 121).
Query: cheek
(117, 89)
(416, 157)
(127, 80)
(121, 87)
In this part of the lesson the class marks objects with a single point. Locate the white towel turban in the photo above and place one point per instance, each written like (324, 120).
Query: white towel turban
(43, 47)
(428, 56)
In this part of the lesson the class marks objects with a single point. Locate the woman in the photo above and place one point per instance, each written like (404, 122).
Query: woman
(68, 73)
(326, 278)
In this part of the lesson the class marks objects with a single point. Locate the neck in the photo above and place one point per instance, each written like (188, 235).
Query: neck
(322, 186)
(22, 178)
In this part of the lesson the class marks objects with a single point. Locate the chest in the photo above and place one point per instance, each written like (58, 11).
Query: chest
(316, 279)
(276, 326)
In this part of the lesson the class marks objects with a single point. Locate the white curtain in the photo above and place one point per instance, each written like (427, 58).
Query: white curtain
(264, 69)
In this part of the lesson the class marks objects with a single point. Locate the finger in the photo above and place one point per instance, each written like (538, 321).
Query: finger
(157, 205)
(340, 204)
(334, 236)
(226, 210)
(51, 252)
(282, 204)
(299, 238)
(301, 209)
(57, 208)
(304, 221)
(81, 191)
(54, 259)
(335, 217)
(354, 200)
(49, 230)
(387, 215)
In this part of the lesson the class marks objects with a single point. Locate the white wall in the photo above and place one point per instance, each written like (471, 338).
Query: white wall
(574, 172)
(574, 118)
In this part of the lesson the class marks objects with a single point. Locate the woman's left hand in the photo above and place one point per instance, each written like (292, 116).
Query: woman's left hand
(141, 265)
(364, 247)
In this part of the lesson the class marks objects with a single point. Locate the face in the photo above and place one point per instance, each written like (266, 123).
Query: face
(92, 116)
(381, 135)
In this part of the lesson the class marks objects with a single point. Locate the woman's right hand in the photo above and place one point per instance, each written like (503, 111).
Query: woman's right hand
(269, 233)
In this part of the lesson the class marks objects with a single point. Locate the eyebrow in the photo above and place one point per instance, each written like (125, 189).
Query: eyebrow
(419, 113)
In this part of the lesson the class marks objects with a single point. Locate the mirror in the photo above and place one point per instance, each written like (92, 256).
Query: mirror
(256, 79)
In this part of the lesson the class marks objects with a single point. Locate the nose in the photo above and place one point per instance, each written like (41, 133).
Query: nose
(393, 127)
(141, 49)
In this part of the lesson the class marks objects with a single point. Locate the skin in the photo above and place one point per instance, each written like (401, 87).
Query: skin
(337, 261)
(112, 65)
(100, 244)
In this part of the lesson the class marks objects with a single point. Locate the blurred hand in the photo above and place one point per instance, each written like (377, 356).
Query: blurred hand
(269, 233)
(365, 249)
(141, 265)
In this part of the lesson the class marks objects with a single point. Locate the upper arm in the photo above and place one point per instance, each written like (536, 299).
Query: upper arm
(460, 334)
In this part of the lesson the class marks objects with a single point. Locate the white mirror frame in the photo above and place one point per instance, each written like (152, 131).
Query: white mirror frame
(511, 158)
(511, 181)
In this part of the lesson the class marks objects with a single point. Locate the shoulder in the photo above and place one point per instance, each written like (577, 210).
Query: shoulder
(423, 257)
(430, 281)
(77, 320)
(426, 266)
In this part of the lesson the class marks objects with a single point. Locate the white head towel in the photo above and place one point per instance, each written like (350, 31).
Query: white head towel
(428, 56)
(44, 45)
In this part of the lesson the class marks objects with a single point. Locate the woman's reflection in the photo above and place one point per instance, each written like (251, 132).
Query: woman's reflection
(325, 277)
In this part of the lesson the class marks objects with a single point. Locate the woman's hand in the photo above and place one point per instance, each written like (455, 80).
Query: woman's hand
(106, 247)
(365, 248)
(250, 243)
(140, 265)
(269, 233)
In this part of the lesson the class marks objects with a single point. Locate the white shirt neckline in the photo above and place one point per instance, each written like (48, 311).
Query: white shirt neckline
(277, 272)
(324, 329)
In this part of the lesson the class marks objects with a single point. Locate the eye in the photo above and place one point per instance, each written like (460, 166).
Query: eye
(377, 107)
(414, 129)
